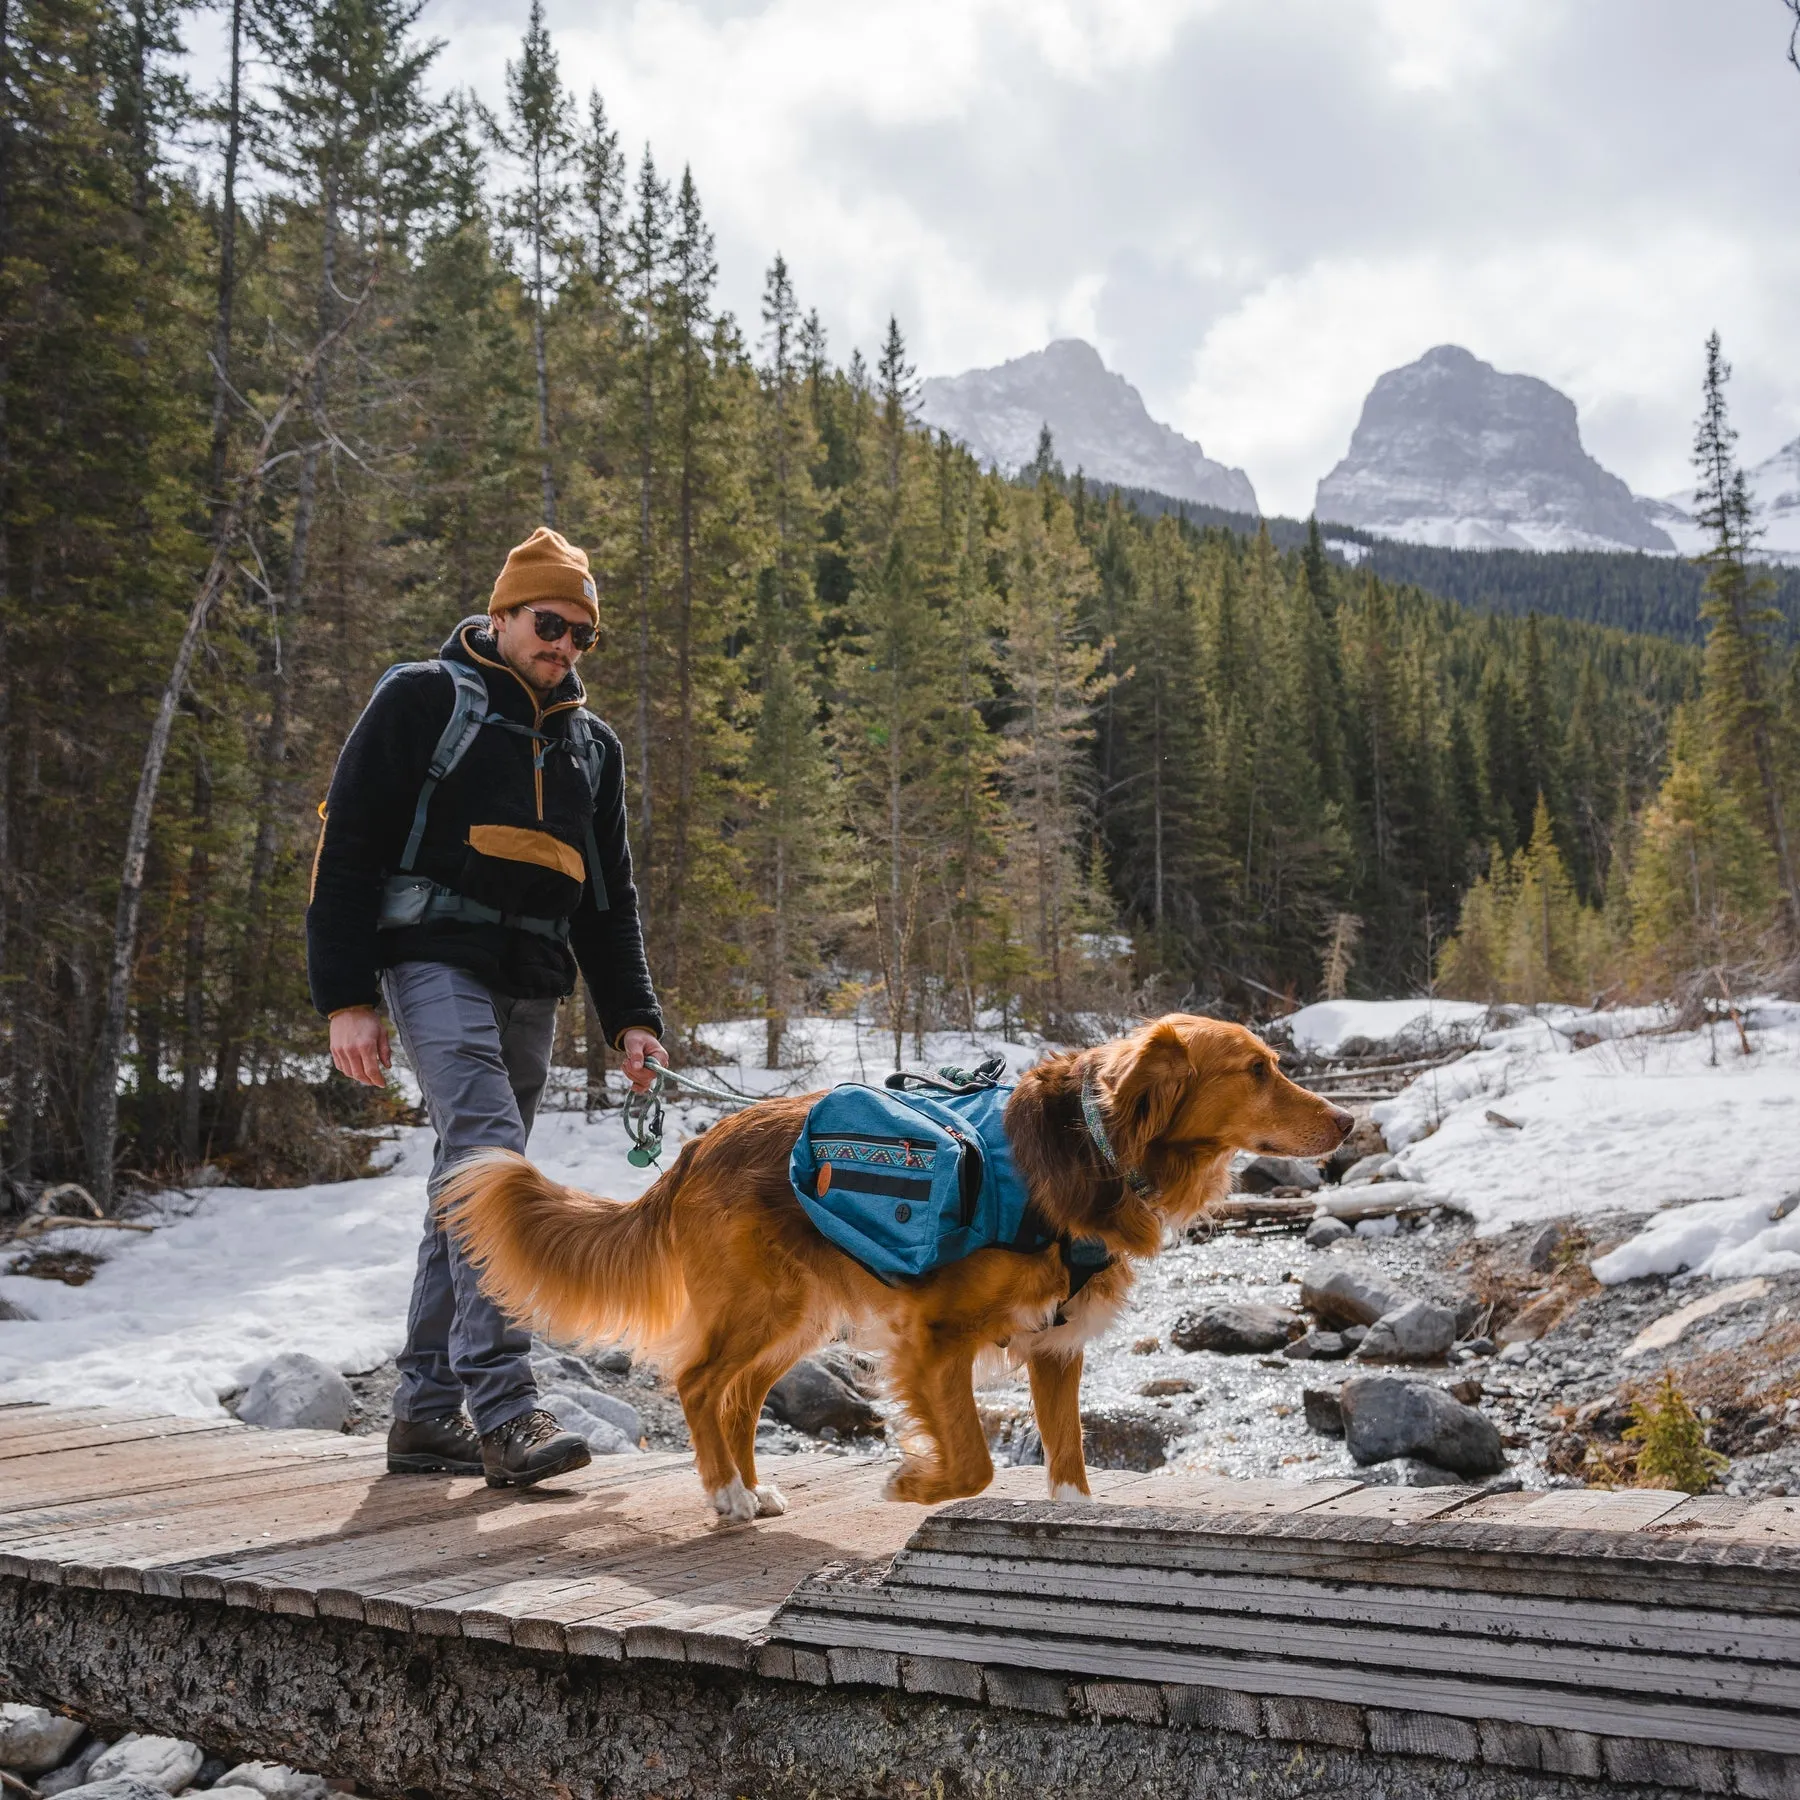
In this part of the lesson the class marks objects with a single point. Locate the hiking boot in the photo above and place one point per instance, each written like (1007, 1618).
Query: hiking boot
(446, 1445)
(529, 1449)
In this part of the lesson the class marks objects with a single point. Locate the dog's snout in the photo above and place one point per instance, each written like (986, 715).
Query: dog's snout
(1343, 1121)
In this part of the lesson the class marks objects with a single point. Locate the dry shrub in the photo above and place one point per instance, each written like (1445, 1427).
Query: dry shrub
(284, 1139)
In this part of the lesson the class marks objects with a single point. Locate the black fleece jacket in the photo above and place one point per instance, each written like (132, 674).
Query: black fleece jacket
(498, 830)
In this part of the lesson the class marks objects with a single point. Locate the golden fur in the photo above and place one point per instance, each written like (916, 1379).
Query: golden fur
(718, 1267)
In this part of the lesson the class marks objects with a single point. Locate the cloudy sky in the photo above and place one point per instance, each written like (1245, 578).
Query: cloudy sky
(1252, 207)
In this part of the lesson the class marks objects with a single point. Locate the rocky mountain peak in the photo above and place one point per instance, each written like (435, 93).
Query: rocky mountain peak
(1098, 419)
(1450, 450)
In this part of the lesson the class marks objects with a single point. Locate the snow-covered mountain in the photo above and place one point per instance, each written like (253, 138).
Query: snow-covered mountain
(1098, 419)
(1451, 451)
(1774, 487)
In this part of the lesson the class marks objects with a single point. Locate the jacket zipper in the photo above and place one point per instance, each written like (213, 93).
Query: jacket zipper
(538, 715)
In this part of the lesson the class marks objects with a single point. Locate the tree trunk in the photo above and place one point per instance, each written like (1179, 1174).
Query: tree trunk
(247, 978)
(193, 974)
(646, 468)
(537, 344)
(227, 286)
(593, 1045)
(100, 1113)
(684, 689)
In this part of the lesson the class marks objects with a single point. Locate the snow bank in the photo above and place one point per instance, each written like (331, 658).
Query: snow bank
(1323, 1028)
(1632, 1123)
(174, 1320)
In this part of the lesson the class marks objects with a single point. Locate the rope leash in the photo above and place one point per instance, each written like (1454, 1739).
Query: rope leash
(642, 1113)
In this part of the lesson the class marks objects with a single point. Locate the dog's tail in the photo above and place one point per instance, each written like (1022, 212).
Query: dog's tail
(582, 1268)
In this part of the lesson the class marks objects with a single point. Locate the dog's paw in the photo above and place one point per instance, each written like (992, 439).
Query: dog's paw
(1067, 1490)
(734, 1501)
(770, 1501)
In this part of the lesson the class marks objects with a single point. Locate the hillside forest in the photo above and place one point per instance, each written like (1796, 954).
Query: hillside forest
(287, 368)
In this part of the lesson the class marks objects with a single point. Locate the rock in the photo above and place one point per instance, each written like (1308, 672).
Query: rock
(1413, 1471)
(1116, 1437)
(165, 1763)
(1366, 1168)
(1542, 1253)
(1234, 1328)
(208, 1175)
(1516, 1353)
(1386, 1416)
(1321, 1234)
(1346, 1290)
(275, 1781)
(1146, 1346)
(297, 1392)
(1531, 1324)
(1323, 1413)
(1669, 1328)
(1354, 1334)
(1164, 1386)
(212, 1772)
(810, 1396)
(1317, 1346)
(12, 1310)
(1480, 1346)
(1264, 1174)
(1468, 1390)
(604, 1436)
(613, 1362)
(1415, 1332)
(116, 1787)
(72, 1774)
(33, 1738)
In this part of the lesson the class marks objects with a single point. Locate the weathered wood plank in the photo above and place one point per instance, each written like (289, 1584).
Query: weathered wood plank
(1717, 1680)
(1671, 1629)
(1605, 1713)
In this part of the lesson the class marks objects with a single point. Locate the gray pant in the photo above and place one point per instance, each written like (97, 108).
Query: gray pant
(481, 1060)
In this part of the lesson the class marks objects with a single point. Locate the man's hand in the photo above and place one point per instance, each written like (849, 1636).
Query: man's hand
(637, 1044)
(359, 1045)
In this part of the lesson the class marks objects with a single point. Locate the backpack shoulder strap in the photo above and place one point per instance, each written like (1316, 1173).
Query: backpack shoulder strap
(468, 712)
(584, 743)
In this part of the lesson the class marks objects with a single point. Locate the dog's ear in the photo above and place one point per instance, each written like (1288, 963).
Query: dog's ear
(1148, 1078)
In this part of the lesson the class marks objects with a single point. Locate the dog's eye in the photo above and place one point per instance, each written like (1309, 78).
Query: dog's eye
(1259, 1071)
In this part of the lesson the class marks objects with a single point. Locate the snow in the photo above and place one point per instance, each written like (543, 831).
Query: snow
(1644, 1119)
(1323, 1028)
(177, 1319)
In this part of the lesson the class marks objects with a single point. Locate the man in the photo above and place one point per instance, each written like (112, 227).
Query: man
(466, 900)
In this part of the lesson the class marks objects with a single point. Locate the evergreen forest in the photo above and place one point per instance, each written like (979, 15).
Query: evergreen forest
(287, 368)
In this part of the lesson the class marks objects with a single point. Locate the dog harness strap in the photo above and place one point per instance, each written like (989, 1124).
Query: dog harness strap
(1096, 1125)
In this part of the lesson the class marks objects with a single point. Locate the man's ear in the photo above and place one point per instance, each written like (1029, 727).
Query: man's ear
(1148, 1077)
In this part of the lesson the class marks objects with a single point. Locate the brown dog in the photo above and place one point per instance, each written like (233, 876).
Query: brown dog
(720, 1268)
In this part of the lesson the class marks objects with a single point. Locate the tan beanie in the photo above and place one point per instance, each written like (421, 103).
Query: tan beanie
(546, 567)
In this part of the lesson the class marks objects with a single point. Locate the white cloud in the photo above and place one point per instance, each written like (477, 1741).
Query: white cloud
(1252, 209)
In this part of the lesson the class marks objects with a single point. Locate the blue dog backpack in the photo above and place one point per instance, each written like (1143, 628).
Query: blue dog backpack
(920, 1173)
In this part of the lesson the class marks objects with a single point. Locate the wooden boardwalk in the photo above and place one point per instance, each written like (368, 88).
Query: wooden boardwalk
(1632, 1636)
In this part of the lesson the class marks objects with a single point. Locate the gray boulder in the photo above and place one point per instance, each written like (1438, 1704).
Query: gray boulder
(116, 1787)
(1542, 1252)
(274, 1781)
(33, 1738)
(164, 1763)
(1387, 1416)
(1264, 1174)
(1235, 1328)
(297, 1392)
(1118, 1437)
(1323, 1413)
(1415, 1332)
(1346, 1290)
(1366, 1168)
(1317, 1346)
(12, 1310)
(1412, 1471)
(603, 1435)
(72, 1774)
(1321, 1234)
(811, 1396)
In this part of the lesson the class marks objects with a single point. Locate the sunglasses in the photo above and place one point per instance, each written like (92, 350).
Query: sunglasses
(551, 626)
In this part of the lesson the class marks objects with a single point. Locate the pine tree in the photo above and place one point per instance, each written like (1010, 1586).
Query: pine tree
(1740, 722)
(540, 135)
